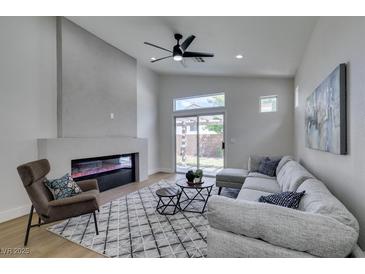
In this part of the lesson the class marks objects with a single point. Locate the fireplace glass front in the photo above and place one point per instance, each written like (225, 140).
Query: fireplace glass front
(110, 171)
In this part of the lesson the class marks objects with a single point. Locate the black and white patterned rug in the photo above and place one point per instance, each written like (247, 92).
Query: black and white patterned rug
(130, 227)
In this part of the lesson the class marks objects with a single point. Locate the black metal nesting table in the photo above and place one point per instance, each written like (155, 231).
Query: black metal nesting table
(197, 195)
(168, 194)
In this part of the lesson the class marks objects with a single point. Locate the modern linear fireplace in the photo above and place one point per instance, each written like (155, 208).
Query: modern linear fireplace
(110, 171)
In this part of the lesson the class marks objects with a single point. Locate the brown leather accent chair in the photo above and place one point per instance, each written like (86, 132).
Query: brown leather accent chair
(33, 175)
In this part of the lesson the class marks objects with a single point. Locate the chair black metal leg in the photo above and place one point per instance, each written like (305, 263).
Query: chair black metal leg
(29, 225)
(39, 221)
(219, 190)
(96, 224)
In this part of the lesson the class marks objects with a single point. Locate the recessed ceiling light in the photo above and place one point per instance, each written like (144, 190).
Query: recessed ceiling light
(153, 58)
(239, 56)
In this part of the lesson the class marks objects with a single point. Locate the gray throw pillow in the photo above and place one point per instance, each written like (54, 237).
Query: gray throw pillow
(268, 167)
(255, 160)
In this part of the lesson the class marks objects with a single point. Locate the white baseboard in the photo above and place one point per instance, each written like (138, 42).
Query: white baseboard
(153, 171)
(14, 213)
(156, 170)
(166, 170)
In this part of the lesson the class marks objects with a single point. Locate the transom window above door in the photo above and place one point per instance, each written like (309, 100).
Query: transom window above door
(216, 100)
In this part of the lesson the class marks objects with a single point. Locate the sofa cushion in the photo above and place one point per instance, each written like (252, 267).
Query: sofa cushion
(223, 244)
(318, 199)
(232, 175)
(262, 184)
(291, 176)
(258, 174)
(282, 162)
(316, 234)
(254, 162)
(251, 194)
(287, 199)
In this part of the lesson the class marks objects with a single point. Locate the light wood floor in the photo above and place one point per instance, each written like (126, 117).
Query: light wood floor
(44, 244)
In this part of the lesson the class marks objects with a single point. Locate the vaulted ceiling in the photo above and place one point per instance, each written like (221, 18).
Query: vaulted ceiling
(271, 46)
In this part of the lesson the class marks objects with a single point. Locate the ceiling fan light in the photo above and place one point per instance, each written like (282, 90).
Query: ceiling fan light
(178, 58)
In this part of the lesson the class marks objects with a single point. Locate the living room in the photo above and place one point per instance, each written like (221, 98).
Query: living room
(182, 136)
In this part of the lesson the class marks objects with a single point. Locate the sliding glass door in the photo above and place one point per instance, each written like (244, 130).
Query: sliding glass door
(200, 143)
(186, 143)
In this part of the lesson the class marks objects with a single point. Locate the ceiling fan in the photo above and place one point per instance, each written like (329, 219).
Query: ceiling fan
(178, 53)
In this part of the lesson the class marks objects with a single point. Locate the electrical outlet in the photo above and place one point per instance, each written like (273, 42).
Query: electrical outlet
(112, 115)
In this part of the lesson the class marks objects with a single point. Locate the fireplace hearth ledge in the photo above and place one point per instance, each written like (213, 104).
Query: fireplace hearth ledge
(60, 152)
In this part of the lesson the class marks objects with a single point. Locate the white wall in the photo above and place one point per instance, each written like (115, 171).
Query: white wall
(253, 132)
(335, 41)
(28, 92)
(28, 98)
(147, 114)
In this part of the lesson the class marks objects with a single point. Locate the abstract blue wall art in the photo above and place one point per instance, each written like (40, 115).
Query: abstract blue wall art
(325, 114)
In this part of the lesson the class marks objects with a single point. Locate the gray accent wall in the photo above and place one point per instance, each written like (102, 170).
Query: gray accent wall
(60, 152)
(97, 79)
(337, 40)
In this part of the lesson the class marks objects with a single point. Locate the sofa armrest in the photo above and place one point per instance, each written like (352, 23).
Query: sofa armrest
(316, 234)
(72, 200)
(87, 185)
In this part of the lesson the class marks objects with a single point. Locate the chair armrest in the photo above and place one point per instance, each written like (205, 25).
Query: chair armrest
(87, 185)
(316, 234)
(72, 200)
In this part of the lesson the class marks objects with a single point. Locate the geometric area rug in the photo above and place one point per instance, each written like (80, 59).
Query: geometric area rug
(130, 227)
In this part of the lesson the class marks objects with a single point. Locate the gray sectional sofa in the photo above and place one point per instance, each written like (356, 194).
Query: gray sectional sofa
(244, 227)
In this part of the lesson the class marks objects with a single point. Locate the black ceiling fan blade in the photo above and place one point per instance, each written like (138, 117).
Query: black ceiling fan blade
(152, 45)
(187, 42)
(159, 59)
(197, 54)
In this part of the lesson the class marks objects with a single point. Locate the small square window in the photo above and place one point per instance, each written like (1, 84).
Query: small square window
(268, 103)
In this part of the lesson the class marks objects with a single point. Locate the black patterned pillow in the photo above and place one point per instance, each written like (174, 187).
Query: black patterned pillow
(63, 187)
(286, 199)
(268, 166)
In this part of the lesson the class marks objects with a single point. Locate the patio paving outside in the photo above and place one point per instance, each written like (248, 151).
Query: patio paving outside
(210, 166)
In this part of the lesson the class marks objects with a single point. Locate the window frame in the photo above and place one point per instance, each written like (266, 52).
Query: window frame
(266, 97)
(198, 96)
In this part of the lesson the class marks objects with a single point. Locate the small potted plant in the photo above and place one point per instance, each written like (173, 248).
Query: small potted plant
(194, 177)
(190, 176)
(198, 176)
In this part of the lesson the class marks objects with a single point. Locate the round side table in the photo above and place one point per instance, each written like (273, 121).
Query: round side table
(166, 196)
(196, 196)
